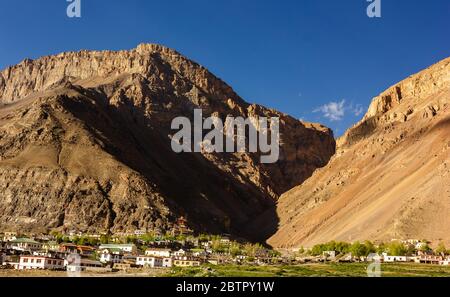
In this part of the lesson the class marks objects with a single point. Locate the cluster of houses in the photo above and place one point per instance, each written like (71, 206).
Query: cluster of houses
(46, 254)
(420, 257)
(26, 253)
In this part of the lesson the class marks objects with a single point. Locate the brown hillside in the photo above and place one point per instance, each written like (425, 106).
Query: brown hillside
(390, 177)
(85, 145)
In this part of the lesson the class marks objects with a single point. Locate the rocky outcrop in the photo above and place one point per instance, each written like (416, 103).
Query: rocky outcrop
(389, 177)
(85, 144)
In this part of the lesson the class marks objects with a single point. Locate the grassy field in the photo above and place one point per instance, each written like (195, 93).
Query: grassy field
(305, 270)
(313, 270)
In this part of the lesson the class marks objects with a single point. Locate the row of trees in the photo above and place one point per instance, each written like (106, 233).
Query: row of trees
(366, 248)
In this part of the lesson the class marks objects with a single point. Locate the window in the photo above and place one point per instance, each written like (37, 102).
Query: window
(32, 260)
(25, 260)
(38, 261)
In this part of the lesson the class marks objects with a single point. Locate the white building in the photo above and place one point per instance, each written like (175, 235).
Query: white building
(329, 254)
(180, 253)
(39, 262)
(125, 248)
(111, 256)
(157, 252)
(395, 258)
(25, 244)
(445, 262)
(149, 261)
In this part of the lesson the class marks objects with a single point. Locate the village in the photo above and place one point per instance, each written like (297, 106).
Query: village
(76, 252)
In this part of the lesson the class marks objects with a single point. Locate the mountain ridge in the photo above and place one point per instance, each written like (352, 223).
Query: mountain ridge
(389, 176)
(85, 144)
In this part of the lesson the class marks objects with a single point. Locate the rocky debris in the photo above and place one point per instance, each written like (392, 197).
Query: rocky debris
(85, 144)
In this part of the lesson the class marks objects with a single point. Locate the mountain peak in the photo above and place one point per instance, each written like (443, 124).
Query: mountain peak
(85, 143)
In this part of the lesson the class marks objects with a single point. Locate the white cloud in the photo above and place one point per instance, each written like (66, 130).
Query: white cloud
(357, 110)
(334, 111)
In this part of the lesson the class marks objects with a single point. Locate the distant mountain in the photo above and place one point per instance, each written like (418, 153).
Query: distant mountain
(390, 177)
(85, 144)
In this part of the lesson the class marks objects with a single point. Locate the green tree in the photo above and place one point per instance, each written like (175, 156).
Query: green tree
(148, 238)
(397, 249)
(203, 237)
(217, 246)
(104, 239)
(441, 249)
(425, 248)
(59, 239)
(357, 249)
(235, 249)
(301, 251)
(342, 247)
(249, 250)
(370, 248)
(382, 248)
(274, 254)
(410, 250)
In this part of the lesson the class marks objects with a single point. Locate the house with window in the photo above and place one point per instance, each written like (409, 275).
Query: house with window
(25, 244)
(429, 259)
(152, 261)
(85, 250)
(445, 262)
(70, 248)
(158, 252)
(111, 256)
(181, 253)
(40, 262)
(125, 248)
(10, 236)
(149, 261)
(51, 246)
(390, 259)
(186, 262)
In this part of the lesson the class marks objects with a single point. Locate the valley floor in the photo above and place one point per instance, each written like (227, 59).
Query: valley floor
(304, 270)
(316, 270)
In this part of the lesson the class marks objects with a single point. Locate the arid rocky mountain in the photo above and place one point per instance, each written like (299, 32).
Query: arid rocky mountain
(390, 177)
(85, 145)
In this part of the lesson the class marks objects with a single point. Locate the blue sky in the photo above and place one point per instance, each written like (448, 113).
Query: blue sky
(318, 60)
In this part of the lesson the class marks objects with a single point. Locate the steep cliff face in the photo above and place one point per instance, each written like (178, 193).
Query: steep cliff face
(390, 176)
(85, 143)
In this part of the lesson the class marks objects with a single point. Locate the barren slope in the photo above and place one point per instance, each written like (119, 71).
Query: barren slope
(85, 144)
(390, 177)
